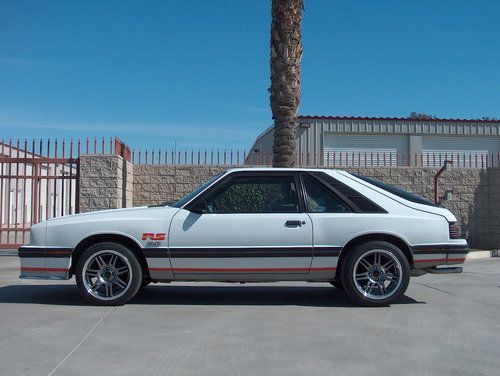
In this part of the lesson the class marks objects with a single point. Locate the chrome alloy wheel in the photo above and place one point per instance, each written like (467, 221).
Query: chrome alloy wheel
(107, 275)
(377, 274)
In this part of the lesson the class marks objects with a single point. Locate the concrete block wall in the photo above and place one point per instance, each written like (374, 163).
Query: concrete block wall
(475, 203)
(471, 201)
(106, 182)
(125, 195)
(492, 210)
(154, 184)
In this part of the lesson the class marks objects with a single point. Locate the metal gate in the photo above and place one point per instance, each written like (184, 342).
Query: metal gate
(35, 186)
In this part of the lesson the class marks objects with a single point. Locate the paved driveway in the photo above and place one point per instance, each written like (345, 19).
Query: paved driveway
(445, 325)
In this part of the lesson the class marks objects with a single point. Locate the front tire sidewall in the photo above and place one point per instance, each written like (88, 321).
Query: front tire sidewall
(348, 268)
(135, 270)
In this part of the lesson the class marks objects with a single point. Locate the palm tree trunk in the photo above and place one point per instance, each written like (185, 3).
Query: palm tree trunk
(286, 55)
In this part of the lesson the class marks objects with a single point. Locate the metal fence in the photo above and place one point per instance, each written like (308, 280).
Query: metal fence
(384, 159)
(40, 178)
(237, 157)
(216, 157)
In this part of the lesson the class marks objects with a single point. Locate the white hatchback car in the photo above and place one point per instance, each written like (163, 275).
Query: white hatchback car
(254, 225)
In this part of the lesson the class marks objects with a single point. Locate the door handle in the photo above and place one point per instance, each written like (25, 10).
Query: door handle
(293, 223)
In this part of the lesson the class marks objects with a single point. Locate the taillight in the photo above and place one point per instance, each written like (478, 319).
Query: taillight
(454, 233)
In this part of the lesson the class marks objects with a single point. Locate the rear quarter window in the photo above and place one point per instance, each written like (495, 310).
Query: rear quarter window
(364, 204)
(410, 196)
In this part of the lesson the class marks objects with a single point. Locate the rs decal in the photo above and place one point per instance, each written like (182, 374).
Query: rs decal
(152, 236)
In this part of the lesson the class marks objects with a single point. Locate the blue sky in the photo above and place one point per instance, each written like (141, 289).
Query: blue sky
(197, 72)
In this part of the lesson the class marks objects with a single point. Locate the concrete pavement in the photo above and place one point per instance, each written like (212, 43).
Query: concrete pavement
(444, 325)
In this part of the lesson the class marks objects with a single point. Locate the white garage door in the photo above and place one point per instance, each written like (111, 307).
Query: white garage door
(464, 151)
(364, 150)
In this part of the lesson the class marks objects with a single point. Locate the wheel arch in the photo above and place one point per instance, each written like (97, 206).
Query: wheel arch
(114, 238)
(389, 238)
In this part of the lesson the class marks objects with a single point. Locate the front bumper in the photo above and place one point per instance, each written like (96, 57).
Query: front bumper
(44, 262)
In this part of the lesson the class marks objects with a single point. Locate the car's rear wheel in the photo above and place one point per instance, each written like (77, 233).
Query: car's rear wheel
(108, 274)
(375, 273)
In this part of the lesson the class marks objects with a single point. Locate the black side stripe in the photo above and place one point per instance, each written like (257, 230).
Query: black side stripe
(31, 252)
(327, 251)
(440, 248)
(155, 252)
(241, 252)
(229, 252)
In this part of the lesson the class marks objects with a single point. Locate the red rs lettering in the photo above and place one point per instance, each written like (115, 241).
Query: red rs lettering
(152, 236)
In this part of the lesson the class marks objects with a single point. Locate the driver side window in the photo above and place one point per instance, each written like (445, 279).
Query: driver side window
(255, 194)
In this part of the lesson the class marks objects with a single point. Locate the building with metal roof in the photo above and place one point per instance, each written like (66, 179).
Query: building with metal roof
(376, 141)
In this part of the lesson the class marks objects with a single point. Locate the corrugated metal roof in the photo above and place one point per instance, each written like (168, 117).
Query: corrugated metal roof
(312, 117)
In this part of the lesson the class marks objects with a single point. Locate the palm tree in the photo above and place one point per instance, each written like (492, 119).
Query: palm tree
(286, 55)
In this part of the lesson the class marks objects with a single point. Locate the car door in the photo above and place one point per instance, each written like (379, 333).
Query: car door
(338, 213)
(329, 214)
(249, 227)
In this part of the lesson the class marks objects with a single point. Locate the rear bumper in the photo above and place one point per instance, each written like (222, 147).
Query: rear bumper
(428, 255)
(44, 262)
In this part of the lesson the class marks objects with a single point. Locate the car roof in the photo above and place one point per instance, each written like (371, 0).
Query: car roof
(293, 169)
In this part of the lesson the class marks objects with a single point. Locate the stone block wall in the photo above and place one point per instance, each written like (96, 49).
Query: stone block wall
(125, 195)
(475, 203)
(109, 182)
(154, 184)
(106, 182)
(471, 200)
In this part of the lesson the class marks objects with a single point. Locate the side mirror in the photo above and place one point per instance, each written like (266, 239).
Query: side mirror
(200, 208)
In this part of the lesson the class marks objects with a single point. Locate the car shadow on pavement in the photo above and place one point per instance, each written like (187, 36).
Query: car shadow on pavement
(313, 296)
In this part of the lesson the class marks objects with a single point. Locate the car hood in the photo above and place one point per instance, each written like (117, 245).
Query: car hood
(131, 222)
(129, 213)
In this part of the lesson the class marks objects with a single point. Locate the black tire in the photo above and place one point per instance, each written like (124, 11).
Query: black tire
(367, 286)
(337, 284)
(102, 282)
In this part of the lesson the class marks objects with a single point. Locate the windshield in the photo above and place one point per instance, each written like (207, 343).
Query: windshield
(410, 196)
(183, 201)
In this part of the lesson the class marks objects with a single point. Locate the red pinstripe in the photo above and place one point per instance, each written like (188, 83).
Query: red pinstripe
(30, 269)
(442, 260)
(432, 260)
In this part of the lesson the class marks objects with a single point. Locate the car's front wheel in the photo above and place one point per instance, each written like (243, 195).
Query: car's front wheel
(375, 273)
(108, 274)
